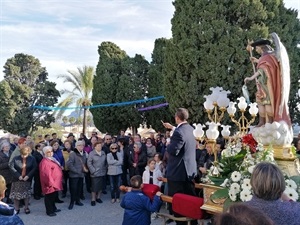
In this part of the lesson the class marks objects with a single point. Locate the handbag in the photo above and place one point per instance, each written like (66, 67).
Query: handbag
(84, 167)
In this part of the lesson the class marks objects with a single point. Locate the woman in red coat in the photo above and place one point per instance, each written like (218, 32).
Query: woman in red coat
(51, 180)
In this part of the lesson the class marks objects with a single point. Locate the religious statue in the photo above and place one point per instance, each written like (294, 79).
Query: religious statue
(272, 77)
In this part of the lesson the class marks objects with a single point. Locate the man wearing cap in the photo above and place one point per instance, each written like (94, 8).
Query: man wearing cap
(269, 84)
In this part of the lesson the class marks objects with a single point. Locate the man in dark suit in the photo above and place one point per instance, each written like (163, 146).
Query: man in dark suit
(181, 167)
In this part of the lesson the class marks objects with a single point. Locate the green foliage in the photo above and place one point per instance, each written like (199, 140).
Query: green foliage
(72, 120)
(54, 128)
(208, 48)
(25, 84)
(156, 88)
(119, 78)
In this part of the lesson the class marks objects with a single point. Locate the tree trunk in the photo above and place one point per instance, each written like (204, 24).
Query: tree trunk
(84, 120)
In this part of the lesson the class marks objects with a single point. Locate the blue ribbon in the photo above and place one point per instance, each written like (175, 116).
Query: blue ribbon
(100, 105)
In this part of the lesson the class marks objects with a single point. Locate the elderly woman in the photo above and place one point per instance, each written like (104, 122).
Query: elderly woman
(77, 167)
(7, 213)
(58, 155)
(51, 180)
(23, 168)
(137, 160)
(115, 162)
(5, 154)
(268, 185)
(97, 165)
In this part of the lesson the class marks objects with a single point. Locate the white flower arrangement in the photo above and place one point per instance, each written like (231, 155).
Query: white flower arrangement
(237, 164)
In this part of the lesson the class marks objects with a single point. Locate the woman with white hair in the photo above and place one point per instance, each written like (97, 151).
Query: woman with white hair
(77, 167)
(5, 154)
(51, 180)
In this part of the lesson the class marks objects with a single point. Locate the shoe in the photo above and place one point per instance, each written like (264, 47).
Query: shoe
(93, 203)
(17, 211)
(104, 192)
(59, 201)
(51, 214)
(99, 200)
(82, 198)
(71, 206)
(117, 200)
(57, 210)
(79, 203)
(27, 210)
(64, 195)
(37, 197)
(113, 201)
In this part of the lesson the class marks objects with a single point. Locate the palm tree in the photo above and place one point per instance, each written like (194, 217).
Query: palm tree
(82, 85)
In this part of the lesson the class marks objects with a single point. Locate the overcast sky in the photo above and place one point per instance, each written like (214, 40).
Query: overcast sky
(65, 34)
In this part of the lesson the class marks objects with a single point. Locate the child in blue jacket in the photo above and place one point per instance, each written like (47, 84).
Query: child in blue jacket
(138, 207)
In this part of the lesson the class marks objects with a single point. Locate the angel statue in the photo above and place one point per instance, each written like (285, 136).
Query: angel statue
(272, 76)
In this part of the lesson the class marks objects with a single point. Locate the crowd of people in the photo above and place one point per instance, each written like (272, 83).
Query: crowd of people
(55, 168)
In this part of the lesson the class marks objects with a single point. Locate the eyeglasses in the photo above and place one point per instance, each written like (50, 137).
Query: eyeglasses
(113, 148)
(108, 139)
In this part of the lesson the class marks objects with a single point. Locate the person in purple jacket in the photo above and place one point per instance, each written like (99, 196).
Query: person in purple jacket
(268, 187)
(138, 207)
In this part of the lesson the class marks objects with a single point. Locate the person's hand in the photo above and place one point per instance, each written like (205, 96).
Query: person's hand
(249, 47)
(159, 178)
(246, 79)
(20, 178)
(168, 125)
(158, 193)
(253, 59)
(134, 165)
(25, 178)
(202, 169)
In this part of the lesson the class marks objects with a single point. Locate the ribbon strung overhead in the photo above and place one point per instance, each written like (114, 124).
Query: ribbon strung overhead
(98, 106)
(153, 107)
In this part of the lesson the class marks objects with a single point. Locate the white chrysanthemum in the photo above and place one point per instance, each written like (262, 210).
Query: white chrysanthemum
(236, 176)
(291, 193)
(246, 184)
(232, 195)
(250, 169)
(235, 187)
(291, 184)
(246, 195)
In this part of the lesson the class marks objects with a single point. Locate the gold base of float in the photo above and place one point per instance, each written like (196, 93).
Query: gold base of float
(212, 206)
(285, 159)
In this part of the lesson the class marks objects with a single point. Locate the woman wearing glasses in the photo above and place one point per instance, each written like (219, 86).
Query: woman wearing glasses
(51, 180)
(115, 162)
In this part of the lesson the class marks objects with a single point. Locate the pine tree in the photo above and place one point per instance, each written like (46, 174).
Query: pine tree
(118, 79)
(156, 87)
(208, 48)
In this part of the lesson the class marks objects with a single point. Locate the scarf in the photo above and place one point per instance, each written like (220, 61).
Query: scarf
(136, 157)
(149, 145)
(23, 174)
(53, 160)
(114, 154)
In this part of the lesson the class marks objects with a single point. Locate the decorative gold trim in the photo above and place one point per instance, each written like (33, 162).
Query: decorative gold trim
(212, 206)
